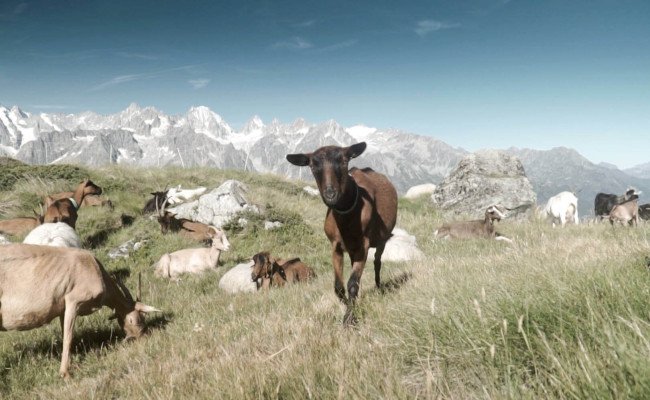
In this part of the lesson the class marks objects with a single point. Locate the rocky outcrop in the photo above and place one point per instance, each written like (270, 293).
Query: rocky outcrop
(217, 207)
(485, 178)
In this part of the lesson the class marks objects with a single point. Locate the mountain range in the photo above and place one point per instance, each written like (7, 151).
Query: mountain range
(148, 137)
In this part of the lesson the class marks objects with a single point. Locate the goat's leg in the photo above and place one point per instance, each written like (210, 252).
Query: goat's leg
(337, 263)
(358, 258)
(70, 315)
(378, 252)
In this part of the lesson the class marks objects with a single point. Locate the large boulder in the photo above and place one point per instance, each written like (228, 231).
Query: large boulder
(485, 178)
(218, 206)
(238, 279)
(400, 247)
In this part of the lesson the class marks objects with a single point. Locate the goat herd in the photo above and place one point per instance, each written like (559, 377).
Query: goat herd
(49, 276)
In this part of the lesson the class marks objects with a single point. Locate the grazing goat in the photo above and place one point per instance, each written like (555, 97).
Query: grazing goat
(361, 212)
(604, 202)
(480, 228)
(19, 226)
(626, 212)
(65, 210)
(563, 207)
(193, 261)
(278, 272)
(177, 195)
(155, 203)
(40, 283)
(644, 212)
(58, 234)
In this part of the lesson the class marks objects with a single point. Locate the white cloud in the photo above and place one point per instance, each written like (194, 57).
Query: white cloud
(427, 26)
(199, 83)
(295, 43)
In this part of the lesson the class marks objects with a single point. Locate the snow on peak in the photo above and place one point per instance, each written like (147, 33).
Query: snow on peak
(360, 132)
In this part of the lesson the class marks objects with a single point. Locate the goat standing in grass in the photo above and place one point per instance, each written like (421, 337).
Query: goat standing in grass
(361, 212)
(40, 283)
(171, 265)
(480, 228)
(278, 272)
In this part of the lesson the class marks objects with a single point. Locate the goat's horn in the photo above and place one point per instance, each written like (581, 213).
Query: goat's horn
(125, 290)
(139, 287)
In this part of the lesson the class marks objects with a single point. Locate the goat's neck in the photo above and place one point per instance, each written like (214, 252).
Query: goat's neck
(115, 298)
(214, 254)
(79, 194)
(350, 198)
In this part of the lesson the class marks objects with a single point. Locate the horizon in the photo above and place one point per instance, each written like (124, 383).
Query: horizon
(473, 73)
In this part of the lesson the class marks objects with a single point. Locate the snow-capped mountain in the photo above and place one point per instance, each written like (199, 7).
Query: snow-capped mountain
(148, 137)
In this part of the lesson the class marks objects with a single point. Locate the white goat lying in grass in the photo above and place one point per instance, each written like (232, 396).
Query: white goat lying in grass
(57, 234)
(177, 195)
(193, 261)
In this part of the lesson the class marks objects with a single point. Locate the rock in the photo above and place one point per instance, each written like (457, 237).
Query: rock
(238, 279)
(4, 240)
(312, 191)
(419, 190)
(123, 250)
(268, 225)
(217, 207)
(485, 178)
(400, 247)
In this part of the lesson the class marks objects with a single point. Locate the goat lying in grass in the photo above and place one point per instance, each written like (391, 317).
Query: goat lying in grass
(197, 231)
(57, 234)
(194, 261)
(65, 210)
(19, 226)
(40, 283)
(481, 228)
(278, 272)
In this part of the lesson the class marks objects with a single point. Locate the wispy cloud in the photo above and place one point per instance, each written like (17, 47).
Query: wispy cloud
(140, 56)
(295, 43)
(117, 80)
(199, 83)
(427, 26)
(338, 46)
(305, 24)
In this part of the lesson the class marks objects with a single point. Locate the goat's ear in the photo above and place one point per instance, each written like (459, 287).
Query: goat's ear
(301, 160)
(355, 150)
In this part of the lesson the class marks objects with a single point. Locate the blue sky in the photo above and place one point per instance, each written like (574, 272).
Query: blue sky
(474, 73)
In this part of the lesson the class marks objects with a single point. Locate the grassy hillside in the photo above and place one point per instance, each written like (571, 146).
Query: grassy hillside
(562, 313)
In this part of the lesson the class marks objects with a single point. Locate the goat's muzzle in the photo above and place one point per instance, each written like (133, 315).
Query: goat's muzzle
(330, 196)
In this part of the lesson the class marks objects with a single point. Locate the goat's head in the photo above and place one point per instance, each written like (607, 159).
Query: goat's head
(494, 213)
(89, 188)
(219, 239)
(329, 165)
(262, 266)
(131, 319)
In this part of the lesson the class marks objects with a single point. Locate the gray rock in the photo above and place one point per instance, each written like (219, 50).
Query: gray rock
(218, 206)
(485, 178)
(126, 248)
(270, 225)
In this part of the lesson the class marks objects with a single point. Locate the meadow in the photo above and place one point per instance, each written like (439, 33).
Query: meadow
(561, 313)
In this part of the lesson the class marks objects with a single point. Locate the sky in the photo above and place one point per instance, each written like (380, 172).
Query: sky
(473, 73)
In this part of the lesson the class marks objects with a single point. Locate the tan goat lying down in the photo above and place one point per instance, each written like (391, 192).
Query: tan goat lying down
(480, 228)
(40, 283)
(195, 261)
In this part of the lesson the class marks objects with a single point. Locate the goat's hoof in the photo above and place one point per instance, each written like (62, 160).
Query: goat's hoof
(350, 320)
(65, 375)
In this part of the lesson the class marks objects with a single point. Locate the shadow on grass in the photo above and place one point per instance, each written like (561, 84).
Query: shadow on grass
(100, 237)
(85, 341)
(393, 284)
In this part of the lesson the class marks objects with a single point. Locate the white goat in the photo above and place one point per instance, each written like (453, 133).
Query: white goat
(57, 234)
(40, 283)
(193, 261)
(563, 207)
(177, 195)
(238, 279)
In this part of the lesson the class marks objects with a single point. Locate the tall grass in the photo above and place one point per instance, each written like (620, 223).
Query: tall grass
(562, 313)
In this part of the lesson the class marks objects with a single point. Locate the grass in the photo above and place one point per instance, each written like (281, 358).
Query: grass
(562, 313)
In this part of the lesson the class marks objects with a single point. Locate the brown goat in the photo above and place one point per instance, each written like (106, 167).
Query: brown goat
(361, 212)
(190, 229)
(279, 272)
(19, 226)
(65, 210)
(626, 212)
(89, 200)
(480, 228)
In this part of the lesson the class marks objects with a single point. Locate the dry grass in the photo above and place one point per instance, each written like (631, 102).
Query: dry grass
(560, 314)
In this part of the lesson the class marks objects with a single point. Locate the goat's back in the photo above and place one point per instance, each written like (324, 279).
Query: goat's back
(57, 234)
(18, 226)
(296, 270)
(382, 192)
